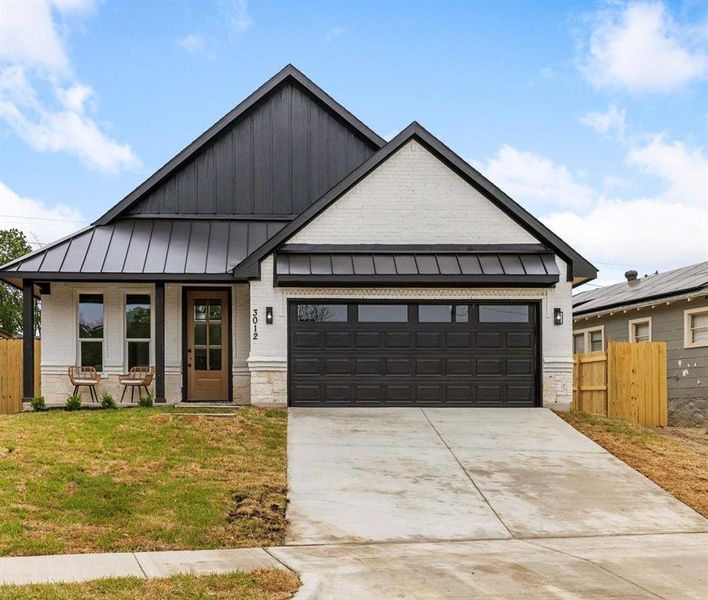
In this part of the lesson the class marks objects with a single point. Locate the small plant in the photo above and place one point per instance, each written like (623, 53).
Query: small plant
(107, 401)
(73, 402)
(38, 403)
(146, 401)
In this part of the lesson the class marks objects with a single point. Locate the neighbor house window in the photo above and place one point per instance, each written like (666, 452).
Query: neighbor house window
(137, 330)
(91, 330)
(695, 327)
(589, 340)
(640, 330)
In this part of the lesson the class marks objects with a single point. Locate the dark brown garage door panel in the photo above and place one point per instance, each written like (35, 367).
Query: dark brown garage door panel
(450, 358)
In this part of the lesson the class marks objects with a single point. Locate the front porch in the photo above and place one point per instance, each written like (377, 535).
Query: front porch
(195, 337)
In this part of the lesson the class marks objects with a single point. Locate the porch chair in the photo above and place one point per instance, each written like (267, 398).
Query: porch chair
(85, 377)
(139, 377)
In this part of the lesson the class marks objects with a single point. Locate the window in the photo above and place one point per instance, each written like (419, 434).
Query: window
(589, 340)
(435, 313)
(383, 313)
(462, 313)
(318, 313)
(137, 329)
(503, 313)
(695, 328)
(91, 330)
(578, 343)
(640, 330)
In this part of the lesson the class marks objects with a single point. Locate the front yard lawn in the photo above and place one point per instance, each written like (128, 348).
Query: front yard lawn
(141, 479)
(674, 458)
(257, 585)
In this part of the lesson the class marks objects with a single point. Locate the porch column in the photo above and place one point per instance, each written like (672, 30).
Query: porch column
(27, 340)
(160, 341)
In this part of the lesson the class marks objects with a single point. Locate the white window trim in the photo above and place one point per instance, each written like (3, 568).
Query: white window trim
(633, 322)
(124, 327)
(687, 314)
(79, 339)
(586, 333)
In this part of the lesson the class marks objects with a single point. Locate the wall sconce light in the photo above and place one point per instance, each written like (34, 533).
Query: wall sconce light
(557, 316)
(269, 315)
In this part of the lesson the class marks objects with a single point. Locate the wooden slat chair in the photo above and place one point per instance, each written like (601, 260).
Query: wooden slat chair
(139, 377)
(85, 377)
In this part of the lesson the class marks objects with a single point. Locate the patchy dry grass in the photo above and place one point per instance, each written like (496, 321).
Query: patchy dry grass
(141, 479)
(674, 458)
(258, 585)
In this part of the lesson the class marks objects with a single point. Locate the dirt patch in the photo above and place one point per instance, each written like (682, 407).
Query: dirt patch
(266, 507)
(675, 458)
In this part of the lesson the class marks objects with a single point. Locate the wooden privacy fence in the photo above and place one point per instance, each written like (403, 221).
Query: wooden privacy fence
(627, 381)
(11, 375)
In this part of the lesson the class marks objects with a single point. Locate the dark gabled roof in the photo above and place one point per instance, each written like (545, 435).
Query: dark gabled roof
(578, 266)
(527, 265)
(155, 249)
(175, 167)
(685, 280)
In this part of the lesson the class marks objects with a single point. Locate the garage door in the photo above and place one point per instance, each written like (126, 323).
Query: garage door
(422, 354)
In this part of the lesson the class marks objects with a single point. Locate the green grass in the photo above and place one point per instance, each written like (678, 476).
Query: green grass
(140, 479)
(258, 585)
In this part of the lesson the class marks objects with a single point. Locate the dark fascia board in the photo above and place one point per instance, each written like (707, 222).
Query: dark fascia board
(116, 277)
(578, 266)
(417, 280)
(412, 248)
(288, 72)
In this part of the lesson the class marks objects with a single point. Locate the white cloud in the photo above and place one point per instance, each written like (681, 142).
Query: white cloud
(334, 32)
(236, 14)
(41, 223)
(66, 128)
(607, 122)
(192, 43)
(661, 232)
(536, 180)
(33, 56)
(640, 47)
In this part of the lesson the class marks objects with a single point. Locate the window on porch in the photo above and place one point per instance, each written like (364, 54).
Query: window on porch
(91, 330)
(137, 329)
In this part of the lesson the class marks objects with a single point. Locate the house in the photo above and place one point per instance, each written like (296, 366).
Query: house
(670, 307)
(292, 256)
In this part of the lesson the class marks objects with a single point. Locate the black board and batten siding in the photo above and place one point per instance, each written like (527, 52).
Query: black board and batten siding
(277, 159)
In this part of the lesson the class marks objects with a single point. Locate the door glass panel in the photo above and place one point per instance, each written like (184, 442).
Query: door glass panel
(435, 313)
(383, 313)
(200, 359)
(503, 313)
(200, 337)
(200, 310)
(215, 359)
(318, 313)
(214, 334)
(215, 310)
(462, 313)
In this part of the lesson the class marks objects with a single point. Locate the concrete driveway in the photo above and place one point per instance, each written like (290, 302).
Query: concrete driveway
(432, 475)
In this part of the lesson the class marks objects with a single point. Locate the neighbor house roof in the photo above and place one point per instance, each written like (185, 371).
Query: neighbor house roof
(683, 281)
(527, 265)
(579, 267)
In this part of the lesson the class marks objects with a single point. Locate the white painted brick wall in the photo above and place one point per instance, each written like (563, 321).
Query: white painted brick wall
(412, 199)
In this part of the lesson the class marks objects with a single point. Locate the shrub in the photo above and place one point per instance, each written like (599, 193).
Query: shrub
(146, 401)
(73, 402)
(107, 401)
(38, 403)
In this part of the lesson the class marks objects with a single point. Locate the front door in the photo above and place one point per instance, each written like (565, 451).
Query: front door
(207, 346)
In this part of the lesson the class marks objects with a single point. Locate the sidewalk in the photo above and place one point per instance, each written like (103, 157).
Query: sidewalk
(666, 566)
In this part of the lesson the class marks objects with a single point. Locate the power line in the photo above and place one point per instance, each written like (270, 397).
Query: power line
(43, 219)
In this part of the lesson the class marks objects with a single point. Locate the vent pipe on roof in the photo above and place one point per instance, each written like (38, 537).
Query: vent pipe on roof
(631, 275)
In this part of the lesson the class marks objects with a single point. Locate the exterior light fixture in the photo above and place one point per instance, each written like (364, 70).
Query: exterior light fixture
(269, 315)
(557, 316)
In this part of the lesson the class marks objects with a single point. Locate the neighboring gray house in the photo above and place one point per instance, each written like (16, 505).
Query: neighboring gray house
(292, 256)
(669, 307)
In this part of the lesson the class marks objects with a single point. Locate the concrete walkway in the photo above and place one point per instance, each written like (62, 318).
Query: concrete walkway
(447, 474)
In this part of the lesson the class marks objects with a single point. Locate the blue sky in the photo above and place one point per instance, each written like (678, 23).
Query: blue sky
(593, 115)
